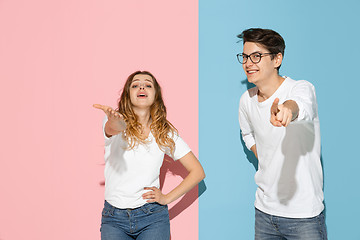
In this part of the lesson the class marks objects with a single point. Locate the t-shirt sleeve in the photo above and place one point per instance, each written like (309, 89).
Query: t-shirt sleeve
(181, 148)
(247, 132)
(107, 139)
(303, 93)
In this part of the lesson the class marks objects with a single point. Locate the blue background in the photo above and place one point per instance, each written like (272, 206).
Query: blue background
(323, 47)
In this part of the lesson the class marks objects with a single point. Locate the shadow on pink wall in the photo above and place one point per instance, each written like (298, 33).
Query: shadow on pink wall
(176, 168)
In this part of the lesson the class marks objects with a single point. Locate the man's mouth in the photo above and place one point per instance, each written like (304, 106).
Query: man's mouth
(251, 71)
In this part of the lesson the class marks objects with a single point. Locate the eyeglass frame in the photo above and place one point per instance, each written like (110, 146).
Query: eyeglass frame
(249, 56)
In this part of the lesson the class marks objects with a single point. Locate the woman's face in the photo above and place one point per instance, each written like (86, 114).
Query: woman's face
(142, 91)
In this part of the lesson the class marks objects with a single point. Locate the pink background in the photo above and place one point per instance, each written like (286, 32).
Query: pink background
(57, 58)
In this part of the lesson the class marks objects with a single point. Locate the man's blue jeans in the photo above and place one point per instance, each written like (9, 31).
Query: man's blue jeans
(148, 222)
(269, 227)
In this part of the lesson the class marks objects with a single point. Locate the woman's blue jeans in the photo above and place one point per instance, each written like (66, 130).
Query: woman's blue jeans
(148, 222)
(269, 227)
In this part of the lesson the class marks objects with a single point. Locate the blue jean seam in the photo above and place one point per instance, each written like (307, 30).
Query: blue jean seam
(320, 225)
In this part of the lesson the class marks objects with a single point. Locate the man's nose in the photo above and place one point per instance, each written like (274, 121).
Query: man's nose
(248, 62)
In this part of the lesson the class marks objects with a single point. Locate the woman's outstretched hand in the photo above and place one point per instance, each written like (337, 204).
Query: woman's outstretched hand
(110, 113)
(115, 123)
(155, 195)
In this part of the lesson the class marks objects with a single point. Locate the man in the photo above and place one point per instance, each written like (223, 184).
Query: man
(279, 123)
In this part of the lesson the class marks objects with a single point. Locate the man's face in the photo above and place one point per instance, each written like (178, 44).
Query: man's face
(258, 73)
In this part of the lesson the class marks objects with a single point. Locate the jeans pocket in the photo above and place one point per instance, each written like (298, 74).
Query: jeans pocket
(106, 212)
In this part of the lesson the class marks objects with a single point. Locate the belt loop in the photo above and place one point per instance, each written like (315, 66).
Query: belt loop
(128, 211)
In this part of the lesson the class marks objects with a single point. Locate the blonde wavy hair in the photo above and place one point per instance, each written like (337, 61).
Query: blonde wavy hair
(160, 127)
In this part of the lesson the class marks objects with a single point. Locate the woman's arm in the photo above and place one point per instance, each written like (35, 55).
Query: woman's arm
(196, 174)
(115, 123)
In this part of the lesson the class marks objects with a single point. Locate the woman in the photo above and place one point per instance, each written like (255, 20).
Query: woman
(137, 135)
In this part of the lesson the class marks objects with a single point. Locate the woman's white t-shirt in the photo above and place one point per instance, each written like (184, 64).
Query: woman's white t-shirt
(127, 172)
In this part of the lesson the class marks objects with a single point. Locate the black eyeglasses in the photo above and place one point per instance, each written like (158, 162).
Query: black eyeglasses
(254, 57)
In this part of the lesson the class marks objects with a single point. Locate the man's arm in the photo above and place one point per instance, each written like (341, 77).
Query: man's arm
(247, 132)
(301, 102)
(253, 149)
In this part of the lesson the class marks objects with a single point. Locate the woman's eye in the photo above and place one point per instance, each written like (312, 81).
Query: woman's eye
(148, 86)
(134, 86)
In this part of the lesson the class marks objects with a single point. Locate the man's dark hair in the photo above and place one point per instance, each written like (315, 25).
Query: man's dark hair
(268, 38)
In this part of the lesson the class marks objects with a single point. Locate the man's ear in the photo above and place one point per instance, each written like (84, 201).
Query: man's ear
(278, 59)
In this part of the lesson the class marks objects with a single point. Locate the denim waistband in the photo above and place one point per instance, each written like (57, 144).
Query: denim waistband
(145, 208)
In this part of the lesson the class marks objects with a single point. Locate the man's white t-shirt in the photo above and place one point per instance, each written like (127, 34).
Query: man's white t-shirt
(127, 172)
(289, 176)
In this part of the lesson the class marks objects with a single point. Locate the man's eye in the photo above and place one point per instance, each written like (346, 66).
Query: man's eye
(256, 55)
